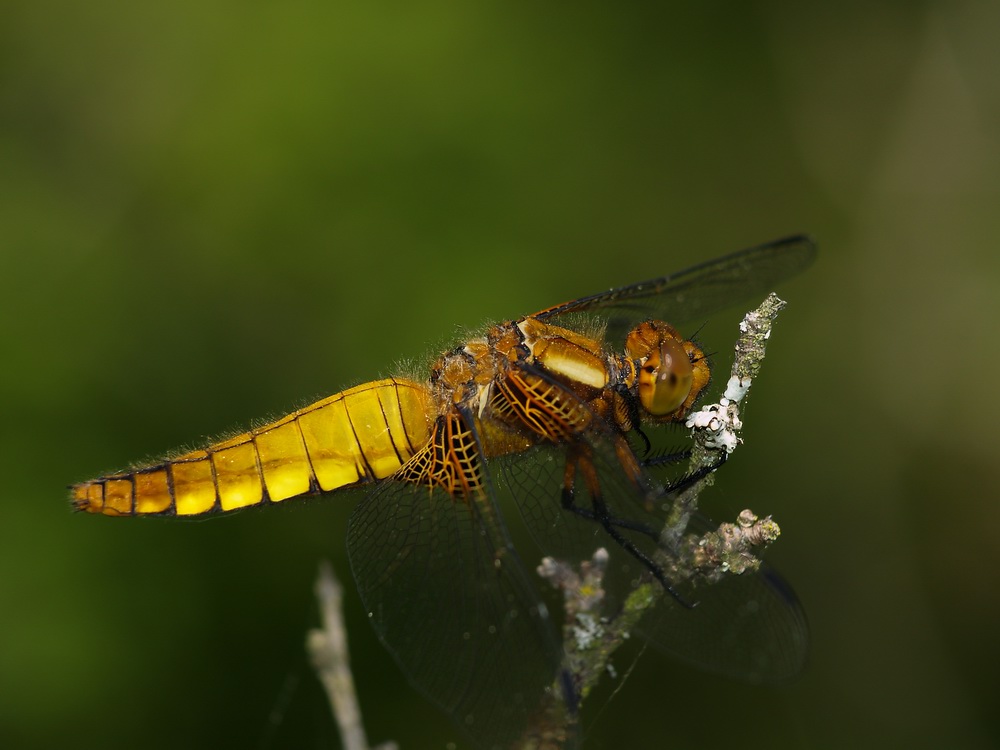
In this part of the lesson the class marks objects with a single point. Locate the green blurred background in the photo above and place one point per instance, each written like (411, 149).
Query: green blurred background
(212, 212)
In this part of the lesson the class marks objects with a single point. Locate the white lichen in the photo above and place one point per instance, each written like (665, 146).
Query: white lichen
(719, 425)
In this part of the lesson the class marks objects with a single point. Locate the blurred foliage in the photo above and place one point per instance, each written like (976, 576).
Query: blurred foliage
(212, 212)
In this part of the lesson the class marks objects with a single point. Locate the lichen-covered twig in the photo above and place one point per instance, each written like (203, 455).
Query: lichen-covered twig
(716, 427)
(327, 649)
(590, 636)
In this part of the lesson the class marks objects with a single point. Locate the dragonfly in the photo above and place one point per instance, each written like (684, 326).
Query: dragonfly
(552, 413)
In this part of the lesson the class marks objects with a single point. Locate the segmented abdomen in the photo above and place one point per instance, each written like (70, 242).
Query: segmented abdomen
(359, 435)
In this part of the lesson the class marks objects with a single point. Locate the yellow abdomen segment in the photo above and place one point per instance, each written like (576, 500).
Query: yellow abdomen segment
(359, 435)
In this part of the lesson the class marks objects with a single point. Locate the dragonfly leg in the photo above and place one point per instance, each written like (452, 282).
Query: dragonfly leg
(679, 484)
(665, 459)
(645, 439)
(569, 503)
(601, 515)
(684, 482)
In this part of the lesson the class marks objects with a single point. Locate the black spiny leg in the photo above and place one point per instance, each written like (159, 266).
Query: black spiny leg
(612, 525)
(682, 483)
(601, 513)
(569, 503)
(665, 459)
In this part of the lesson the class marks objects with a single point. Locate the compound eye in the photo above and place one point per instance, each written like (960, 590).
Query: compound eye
(665, 379)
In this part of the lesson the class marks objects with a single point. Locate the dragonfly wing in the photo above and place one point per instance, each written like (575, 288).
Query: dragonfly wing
(692, 294)
(534, 480)
(748, 626)
(451, 601)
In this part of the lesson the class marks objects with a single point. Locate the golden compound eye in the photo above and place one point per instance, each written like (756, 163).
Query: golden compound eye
(665, 378)
(670, 372)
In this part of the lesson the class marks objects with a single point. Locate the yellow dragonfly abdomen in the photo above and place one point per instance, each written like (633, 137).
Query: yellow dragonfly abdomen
(359, 435)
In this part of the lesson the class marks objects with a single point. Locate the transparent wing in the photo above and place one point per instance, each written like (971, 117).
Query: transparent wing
(751, 626)
(451, 601)
(692, 294)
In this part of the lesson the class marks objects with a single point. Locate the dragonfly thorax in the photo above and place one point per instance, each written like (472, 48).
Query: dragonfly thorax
(528, 380)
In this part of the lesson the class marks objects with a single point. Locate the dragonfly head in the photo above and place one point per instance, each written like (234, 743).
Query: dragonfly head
(671, 371)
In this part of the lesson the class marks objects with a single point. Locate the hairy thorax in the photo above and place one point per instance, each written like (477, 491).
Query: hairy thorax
(534, 381)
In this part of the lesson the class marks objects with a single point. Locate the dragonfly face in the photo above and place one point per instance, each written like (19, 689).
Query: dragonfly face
(555, 409)
(672, 372)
